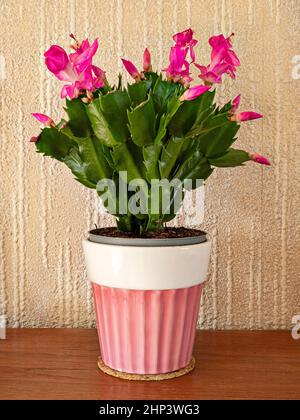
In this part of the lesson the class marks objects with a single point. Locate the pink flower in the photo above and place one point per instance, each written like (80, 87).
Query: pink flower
(71, 91)
(76, 69)
(221, 49)
(223, 60)
(194, 92)
(185, 40)
(34, 139)
(259, 159)
(82, 58)
(235, 104)
(44, 119)
(246, 116)
(58, 63)
(132, 70)
(243, 116)
(147, 61)
(179, 68)
(56, 59)
(98, 77)
(212, 76)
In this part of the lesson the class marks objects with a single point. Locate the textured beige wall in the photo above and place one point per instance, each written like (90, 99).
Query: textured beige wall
(252, 214)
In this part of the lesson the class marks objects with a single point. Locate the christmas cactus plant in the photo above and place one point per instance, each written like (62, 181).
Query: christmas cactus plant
(160, 127)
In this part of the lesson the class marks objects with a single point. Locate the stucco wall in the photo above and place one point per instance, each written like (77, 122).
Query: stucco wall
(252, 213)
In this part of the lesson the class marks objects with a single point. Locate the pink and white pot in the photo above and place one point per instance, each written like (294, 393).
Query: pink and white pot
(147, 296)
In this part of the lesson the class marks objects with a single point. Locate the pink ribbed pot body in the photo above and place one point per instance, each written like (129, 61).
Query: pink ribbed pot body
(146, 331)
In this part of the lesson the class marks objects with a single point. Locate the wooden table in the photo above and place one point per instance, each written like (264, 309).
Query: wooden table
(61, 364)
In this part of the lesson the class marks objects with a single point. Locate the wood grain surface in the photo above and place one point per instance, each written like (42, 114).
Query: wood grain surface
(62, 364)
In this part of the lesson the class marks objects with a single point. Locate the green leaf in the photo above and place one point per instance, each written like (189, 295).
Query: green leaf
(84, 156)
(95, 155)
(195, 167)
(54, 143)
(184, 118)
(206, 100)
(152, 153)
(226, 108)
(96, 166)
(124, 160)
(151, 156)
(214, 133)
(99, 124)
(173, 105)
(108, 116)
(79, 122)
(74, 162)
(114, 108)
(107, 154)
(142, 122)
(232, 158)
(206, 108)
(152, 77)
(138, 92)
(170, 155)
(211, 121)
(162, 93)
(217, 140)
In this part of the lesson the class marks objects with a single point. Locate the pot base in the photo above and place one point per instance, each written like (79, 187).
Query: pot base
(139, 377)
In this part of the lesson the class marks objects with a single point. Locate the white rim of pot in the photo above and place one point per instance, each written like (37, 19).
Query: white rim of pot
(147, 267)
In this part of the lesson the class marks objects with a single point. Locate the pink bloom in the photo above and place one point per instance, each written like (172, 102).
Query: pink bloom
(44, 119)
(56, 59)
(33, 139)
(83, 55)
(243, 116)
(246, 116)
(223, 60)
(76, 69)
(214, 75)
(259, 159)
(194, 92)
(179, 68)
(132, 70)
(185, 40)
(221, 50)
(99, 77)
(71, 91)
(235, 104)
(58, 63)
(147, 61)
(182, 39)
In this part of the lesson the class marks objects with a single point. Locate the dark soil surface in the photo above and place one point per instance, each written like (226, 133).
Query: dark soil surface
(164, 234)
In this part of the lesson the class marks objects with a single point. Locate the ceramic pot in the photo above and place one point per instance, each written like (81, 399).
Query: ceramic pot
(147, 295)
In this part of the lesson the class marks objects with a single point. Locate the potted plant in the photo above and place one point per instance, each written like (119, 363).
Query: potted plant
(142, 146)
